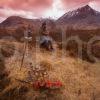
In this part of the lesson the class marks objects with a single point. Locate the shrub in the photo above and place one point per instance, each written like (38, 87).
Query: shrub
(7, 50)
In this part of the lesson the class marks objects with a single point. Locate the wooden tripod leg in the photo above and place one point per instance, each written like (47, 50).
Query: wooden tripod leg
(23, 56)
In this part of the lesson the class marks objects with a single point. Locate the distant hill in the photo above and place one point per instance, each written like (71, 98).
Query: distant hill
(16, 21)
(15, 26)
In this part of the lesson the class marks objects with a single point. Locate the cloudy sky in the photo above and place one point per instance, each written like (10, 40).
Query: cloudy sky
(42, 8)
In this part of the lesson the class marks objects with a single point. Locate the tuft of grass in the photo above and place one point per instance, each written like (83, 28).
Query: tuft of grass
(46, 65)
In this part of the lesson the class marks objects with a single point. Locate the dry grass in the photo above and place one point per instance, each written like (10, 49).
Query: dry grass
(80, 79)
(46, 65)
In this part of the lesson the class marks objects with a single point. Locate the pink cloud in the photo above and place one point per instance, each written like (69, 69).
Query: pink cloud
(10, 12)
(2, 14)
(37, 6)
(95, 4)
(41, 8)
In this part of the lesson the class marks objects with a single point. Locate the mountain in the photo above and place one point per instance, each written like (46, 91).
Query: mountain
(15, 26)
(16, 21)
(84, 17)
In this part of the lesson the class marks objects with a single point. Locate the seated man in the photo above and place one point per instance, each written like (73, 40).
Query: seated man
(46, 42)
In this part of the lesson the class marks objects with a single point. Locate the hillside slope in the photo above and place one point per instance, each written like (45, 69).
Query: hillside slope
(80, 79)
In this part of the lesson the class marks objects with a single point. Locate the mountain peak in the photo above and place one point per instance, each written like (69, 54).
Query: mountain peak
(82, 16)
(85, 8)
(82, 11)
(14, 21)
